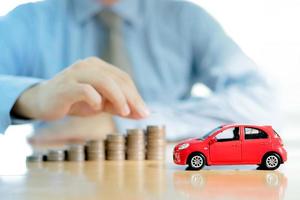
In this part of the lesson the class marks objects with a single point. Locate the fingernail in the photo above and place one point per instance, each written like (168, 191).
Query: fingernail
(126, 110)
(143, 110)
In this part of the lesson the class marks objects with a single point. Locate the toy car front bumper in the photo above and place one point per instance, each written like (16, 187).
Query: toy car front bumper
(179, 158)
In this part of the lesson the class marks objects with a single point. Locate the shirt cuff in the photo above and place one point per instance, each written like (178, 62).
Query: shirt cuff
(11, 87)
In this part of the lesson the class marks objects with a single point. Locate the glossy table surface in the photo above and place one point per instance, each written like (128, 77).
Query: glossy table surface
(148, 180)
(144, 180)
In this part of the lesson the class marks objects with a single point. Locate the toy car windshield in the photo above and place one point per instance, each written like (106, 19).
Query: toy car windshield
(209, 133)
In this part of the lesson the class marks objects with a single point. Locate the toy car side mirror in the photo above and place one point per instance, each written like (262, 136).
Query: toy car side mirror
(212, 140)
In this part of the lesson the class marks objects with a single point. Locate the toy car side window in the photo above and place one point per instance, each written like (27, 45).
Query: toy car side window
(253, 133)
(229, 134)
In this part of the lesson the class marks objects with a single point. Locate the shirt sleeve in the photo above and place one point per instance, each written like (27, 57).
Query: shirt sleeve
(15, 56)
(11, 87)
(240, 94)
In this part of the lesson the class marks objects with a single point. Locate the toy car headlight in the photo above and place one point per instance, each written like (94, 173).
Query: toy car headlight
(183, 146)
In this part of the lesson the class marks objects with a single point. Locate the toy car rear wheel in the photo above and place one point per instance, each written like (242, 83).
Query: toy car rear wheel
(271, 161)
(196, 161)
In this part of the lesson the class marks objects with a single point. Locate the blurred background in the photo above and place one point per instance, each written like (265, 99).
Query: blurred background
(268, 31)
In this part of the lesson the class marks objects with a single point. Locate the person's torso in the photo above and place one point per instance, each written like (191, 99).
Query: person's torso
(158, 47)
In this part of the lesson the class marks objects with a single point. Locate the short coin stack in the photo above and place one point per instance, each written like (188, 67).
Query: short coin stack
(115, 147)
(95, 150)
(155, 143)
(76, 152)
(56, 155)
(35, 157)
(135, 144)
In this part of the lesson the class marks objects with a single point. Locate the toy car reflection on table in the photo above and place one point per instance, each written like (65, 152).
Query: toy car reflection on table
(234, 144)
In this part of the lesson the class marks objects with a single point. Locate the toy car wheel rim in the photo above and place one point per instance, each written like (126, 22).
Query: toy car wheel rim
(272, 161)
(196, 161)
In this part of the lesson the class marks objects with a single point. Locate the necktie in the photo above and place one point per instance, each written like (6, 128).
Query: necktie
(115, 51)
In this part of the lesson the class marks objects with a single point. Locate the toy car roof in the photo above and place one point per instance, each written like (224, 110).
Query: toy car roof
(250, 125)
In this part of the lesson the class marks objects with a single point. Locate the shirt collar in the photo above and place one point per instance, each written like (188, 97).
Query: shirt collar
(127, 9)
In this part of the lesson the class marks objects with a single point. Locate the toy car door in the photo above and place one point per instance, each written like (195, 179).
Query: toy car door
(227, 147)
(255, 144)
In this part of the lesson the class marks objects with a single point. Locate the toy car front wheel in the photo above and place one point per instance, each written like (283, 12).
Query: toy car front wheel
(271, 161)
(196, 161)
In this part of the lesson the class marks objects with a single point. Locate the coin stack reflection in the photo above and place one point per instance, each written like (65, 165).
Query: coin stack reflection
(155, 143)
(115, 147)
(135, 144)
(76, 152)
(95, 150)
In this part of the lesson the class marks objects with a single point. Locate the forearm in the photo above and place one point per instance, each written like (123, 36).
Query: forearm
(11, 87)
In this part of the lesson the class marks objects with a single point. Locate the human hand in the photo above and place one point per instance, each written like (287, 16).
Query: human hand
(87, 87)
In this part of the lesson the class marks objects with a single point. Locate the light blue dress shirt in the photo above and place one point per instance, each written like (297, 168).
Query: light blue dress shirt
(171, 44)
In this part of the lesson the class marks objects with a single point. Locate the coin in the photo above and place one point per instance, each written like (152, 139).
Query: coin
(132, 132)
(76, 152)
(116, 157)
(135, 144)
(95, 150)
(56, 155)
(115, 147)
(115, 138)
(35, 158)
(155, 139)
(156, 128)
(135, 157)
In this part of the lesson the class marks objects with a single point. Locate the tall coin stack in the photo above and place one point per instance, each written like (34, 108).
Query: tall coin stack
(115, 147)
(95, 150)
(155, 143)
(135, 144)
(56, 155)
(76, 152)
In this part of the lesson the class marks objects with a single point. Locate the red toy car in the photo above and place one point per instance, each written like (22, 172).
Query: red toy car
(233, 145)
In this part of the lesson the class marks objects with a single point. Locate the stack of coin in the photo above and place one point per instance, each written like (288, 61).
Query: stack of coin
(115, 147)
(76, 152)
(95, 150)
(155, 143)
(35, 157)
(135, 144)
(56, 155)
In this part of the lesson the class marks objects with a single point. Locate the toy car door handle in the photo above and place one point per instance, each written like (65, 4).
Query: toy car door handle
(263, 143)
